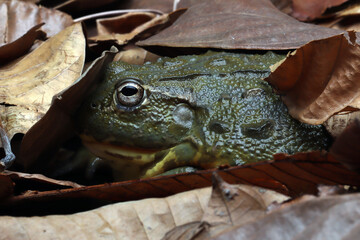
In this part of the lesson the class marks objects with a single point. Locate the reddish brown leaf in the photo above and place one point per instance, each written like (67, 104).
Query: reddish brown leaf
(57, 125)
(6, 187)
(18, 17)
(306, 10)
(140, 25)
(20, 46)
(346, 147)
(333, 217)
(320, 78)
(237, 24)
(124, 23)
(283, 5)
(18, 176)
(291, 175)
(72, 6)
(165, 6)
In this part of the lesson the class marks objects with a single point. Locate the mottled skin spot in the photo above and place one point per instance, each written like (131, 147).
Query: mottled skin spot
(199, 111)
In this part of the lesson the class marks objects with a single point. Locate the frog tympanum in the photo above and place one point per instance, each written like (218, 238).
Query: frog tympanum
(191, 111)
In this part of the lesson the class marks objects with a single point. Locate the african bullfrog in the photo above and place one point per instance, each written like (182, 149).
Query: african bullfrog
(197, 111)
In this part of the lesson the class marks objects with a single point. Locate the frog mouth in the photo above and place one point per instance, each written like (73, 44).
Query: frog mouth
(112, 152)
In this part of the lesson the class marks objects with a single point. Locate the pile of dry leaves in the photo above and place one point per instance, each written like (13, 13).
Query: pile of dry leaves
(51, 56)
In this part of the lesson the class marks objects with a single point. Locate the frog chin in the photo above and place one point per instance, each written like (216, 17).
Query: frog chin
(120, 153)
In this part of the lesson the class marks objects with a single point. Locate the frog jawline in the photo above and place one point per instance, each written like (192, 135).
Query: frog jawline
(138, 156)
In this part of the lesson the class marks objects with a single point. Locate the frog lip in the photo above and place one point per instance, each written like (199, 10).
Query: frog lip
(115, 152)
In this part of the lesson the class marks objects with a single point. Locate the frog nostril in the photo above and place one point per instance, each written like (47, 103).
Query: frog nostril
(93, 105)
(219, 127)
(260, 130)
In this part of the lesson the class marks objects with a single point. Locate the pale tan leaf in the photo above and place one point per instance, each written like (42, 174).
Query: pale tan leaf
(229, 205)
(145, 219)
(136, 56)
(28, 87)
(331, 217)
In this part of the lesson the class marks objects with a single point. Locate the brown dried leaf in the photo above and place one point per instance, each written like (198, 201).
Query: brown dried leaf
(229, 205)
(146, 219)
(124, 23)
(18, 17)
(320, 78)
(20, 46)
(336, 124)
(29, 86)
(346, 19)
(346, 147)
(138, 25)
(136, 56)
(165, 6)
(292, 175)
(123, 28)
(332, 217)
(6, 187)
(284, 5)
(16, 176)
(57, 125)
(72, 6)
(306, 10)
(237, 24)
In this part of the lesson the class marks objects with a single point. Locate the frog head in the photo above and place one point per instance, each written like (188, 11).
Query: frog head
(134, 119)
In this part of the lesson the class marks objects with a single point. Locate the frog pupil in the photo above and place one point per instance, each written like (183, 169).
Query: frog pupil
(129, 90)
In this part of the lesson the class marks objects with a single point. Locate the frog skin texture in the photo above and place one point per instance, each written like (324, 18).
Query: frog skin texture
(197, 111)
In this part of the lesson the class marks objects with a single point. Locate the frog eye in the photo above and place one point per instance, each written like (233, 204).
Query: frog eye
(129, 94)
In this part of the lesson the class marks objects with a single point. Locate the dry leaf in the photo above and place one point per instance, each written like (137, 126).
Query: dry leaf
(284, 5)
(56, 126)
(17, 17)
(125, 28)
(336, 124)
(165, 6)
(333, 217)
(146, 219)
(229, 205)
(320, 78)
(237, 24)
(16, 176)
(73, 6)
(6, 187)
(293, 175)
(306, 10)
(28, 87)
(124, 23)
(346, 147)
(136, 56)
(15, 49)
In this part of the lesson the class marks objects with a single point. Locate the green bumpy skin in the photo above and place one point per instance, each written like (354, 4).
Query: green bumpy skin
(199, 111)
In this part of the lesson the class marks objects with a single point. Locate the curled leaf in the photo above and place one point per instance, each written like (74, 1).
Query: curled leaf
(332, 217)
(237, 24)
(57, 125)
(229, 205)
(346, 147)
(27, 88)
(17, 17)
(306, 10)
(20, 46)
(320, 78)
